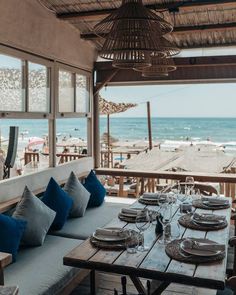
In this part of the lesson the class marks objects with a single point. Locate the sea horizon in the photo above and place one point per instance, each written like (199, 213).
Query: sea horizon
(172, 131)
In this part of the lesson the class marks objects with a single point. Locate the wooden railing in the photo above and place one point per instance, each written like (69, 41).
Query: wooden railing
(149, 181)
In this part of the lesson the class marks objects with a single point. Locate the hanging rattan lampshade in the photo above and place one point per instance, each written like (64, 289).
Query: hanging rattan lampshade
(130, 46)
(160, 66)
(168, 47)
(135, 11)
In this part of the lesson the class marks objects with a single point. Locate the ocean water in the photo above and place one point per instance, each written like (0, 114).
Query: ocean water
(170, 131)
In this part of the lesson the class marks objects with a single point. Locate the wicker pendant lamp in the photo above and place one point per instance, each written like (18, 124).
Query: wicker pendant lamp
(133, 10)
(134, 34)
(168, 47)
(160, 67)
(130, 45)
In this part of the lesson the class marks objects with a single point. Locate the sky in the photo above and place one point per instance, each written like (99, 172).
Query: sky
(189, 100)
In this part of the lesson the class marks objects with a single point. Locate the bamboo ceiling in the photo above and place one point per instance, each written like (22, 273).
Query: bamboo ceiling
(197, 23)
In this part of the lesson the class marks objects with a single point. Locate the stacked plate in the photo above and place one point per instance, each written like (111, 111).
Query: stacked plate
(110, 238)
(208, 219)
(201, 247)
(129, 214)
(153, 198)
(215, 202)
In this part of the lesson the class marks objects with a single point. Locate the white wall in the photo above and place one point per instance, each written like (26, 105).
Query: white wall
(26, 25)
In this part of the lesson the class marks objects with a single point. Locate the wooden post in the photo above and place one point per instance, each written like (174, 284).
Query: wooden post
(149, 125)
(96, 131)
(108, 140)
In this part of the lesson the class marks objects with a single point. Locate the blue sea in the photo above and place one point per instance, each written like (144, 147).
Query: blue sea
(169, 130)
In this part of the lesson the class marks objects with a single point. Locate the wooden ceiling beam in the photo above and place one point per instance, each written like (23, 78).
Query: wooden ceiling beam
(94, 15)
(182, 75)
(179, 30)
(183, 62)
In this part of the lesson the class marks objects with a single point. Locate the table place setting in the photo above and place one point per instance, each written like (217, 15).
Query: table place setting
(129, 214)
(115, 238)
(195, 250)
(154, 198)
(211, 203)
(202, 221)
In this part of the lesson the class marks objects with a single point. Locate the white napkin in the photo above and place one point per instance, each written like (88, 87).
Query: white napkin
(208, 217)
(201, 246)
(109, 232)
(216, 201)
(130, 211)
(154, 196)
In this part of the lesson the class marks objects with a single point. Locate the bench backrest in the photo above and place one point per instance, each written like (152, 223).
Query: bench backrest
(11, 189)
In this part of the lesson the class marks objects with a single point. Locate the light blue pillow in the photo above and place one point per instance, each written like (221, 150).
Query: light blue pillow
(11, 231)
(59, 201)
(39, 218)
(96, 189)
(79, 195)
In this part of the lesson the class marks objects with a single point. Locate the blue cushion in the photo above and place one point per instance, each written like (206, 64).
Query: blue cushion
(96, 189)
(11, 231)
(59, 201)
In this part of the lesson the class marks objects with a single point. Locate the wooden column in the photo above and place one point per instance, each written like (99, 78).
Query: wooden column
(108, 140)
(96, 131)
(149, 125)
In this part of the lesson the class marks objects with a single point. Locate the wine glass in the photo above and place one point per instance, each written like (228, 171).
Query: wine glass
(189, 185)
(165, 219)
(142, 223)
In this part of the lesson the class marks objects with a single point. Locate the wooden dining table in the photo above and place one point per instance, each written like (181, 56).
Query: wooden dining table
(155, 264)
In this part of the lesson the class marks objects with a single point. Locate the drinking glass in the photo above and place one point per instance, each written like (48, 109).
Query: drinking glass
(142, 223)
(165, 219)
(132, 241)
(189, 185)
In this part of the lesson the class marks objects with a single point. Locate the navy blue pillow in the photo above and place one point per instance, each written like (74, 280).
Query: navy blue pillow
(96, 189)
(59, 201)
(11, 231)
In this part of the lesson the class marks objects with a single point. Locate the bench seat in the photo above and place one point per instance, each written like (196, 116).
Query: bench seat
(81, 228)
(40, 270)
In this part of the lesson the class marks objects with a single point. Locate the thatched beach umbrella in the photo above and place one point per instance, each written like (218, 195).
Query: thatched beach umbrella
(108, 108)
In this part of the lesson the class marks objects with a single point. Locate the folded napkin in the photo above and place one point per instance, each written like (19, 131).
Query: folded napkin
(130, 211)
(216, 201)
(208, 217)
(203, 246)
(154, 196)
(109, 232)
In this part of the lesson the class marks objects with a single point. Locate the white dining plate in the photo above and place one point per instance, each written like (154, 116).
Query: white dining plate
(198, 252)
(128, 215)
(107, 238)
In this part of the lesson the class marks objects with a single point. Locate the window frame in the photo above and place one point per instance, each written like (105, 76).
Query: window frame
(53, 67)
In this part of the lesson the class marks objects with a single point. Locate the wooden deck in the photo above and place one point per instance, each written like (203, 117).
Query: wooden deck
(107, 283)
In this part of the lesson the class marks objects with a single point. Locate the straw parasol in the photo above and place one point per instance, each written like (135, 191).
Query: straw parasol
(108, 108)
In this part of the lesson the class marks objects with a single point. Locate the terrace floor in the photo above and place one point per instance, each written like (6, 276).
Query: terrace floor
(107, 283)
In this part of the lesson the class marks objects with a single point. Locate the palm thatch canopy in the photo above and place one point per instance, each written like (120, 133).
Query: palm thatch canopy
(197, 23)
(109, 107)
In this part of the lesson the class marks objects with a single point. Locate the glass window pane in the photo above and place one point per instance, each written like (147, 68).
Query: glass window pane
(38, 88)
(32, 146)
(82, 94)
(66, 92)
(71, 139)
(11, 94)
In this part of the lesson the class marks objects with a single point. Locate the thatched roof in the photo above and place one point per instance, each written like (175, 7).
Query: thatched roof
(197, 24)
